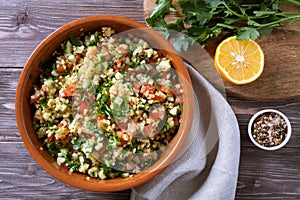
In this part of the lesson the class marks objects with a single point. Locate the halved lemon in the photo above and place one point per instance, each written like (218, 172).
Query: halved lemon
(239, 61)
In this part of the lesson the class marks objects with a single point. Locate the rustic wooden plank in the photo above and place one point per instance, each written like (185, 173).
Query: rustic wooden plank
(269, 175)
(24, 24)
(29, 180)
(8, 84)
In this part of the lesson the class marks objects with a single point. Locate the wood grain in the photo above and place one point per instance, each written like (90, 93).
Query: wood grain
(281, 76)
(25, 23)
(269, 174)
(19, 37)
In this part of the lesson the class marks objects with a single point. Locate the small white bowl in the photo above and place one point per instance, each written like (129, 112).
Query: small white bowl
(288, 135)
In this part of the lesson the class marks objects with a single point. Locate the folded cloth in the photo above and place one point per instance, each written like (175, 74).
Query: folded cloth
(207, 168)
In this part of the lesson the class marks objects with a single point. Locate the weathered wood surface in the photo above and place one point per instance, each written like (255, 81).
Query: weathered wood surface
(262, 175)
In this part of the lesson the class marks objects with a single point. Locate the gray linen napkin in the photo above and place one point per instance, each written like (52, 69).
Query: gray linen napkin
(207, 168)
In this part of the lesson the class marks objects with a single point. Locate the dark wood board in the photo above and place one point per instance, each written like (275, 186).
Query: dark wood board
(262, 175)
(281, 75)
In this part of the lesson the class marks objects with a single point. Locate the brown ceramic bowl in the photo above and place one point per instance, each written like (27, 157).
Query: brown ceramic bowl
(24, 111)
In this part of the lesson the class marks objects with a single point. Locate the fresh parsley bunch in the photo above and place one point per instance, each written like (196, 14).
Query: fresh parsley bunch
(207, 18)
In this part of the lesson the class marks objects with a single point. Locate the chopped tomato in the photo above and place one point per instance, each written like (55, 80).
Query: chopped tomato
(176, 121)
(34, 98)
(77, 56)
(139, 112)
(122, 126)
(178, 100)
(100, 117)
(147, 89)
(60, 69)
(121, 59)
(159, 96)
(119, 134)
(60, 79)
(157, 114)
(136, 87)
(104, 48)
(65, 140)
(100, 120)
(49, 138)
(38, 116)
(71, 86)
(148, 130)
(69, 90)
(62, 125)
(177, 92)
(124, 139)
(167, 90)
(143, 89)
(69, 65)
(107, 57)
(83, 106)
(150, 60)
(123, 48)
(132, 128)
(116, 68)
(45, 88)
(67, 93)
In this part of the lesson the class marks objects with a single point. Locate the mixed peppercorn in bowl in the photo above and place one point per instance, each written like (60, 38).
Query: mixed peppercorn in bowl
(103, 109)
(269, 129)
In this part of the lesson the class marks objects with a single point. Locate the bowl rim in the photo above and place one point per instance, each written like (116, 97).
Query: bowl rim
(62, 175)
(289, 129)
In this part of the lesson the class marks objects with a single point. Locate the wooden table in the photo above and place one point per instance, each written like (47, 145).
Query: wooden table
(25, 23)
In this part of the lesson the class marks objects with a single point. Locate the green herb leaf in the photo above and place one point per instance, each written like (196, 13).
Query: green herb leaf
(46, 67)
(214, 3)
(208, 18)
(178, 26)
(247, 33)
(42, 100)
(181, 43)
(52, 149)
(196, 12)
(265, 30)
(77, 143)
(75, 41)
(45, 106)
(156, 18)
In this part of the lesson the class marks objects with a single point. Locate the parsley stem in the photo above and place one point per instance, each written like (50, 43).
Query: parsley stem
(274, 23)
(295, 2)
(288, 13)
(233, 12)
(226, 26)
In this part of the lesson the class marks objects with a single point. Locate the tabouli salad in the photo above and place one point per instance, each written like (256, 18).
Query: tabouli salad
(107, 105)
